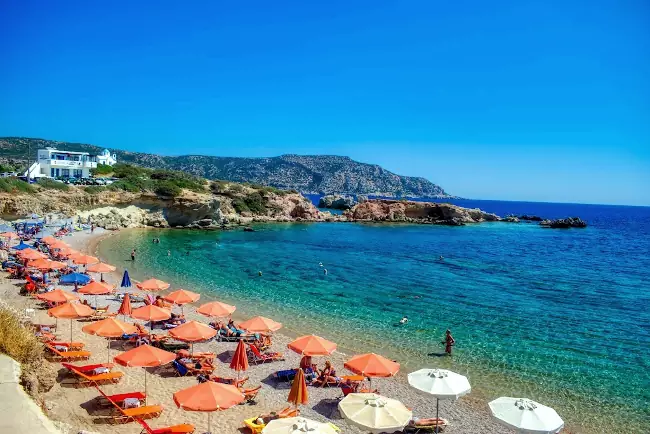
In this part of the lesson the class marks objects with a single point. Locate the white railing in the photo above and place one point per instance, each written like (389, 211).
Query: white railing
(69, 163)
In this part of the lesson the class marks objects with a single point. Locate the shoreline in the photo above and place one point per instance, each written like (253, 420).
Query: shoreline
(467, 415)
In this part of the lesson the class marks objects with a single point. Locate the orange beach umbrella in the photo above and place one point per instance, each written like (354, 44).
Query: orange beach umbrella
(109, 328)
(100, 268)
(372, 365)
(57, 296)
(151, 313)
(152, 285)
(47, 239)
(193, 331)
(85, 260)
(71, 311)
(298, 393)
(239, 360)
(10, 235)
(259, 324)
(125, 307)
(312, 345)
(46, 264)
(216, 309)
(145, 356)
(209, 396)
(95, 288)
(67, 252)
(31, 254)
(182, 296)
(58, 244)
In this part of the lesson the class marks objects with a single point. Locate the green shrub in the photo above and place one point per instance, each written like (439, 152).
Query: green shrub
(52, 184)
(123, 170)
(219, 187)
(15, 185)
(102, 169)
(95, 189)
(132, 184)
(239, 205)
(7, 168)
(255, 203)
(236, 188)
(167, 189)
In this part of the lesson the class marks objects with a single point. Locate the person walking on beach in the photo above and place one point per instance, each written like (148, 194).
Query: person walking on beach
(449, 342)
(133, 255)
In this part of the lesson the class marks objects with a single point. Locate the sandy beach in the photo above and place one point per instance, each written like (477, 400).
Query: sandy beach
(74, 409)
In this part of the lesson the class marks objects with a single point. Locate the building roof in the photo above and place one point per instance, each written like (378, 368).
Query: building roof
(64, 152)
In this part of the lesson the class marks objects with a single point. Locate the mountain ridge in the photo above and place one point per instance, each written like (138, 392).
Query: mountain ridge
(311, 174)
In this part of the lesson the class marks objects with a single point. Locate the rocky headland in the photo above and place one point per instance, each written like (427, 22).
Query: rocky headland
(336, 201)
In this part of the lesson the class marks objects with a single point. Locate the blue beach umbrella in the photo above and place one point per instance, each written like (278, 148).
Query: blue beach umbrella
(126, 281)
(22, 246)
(74, 279)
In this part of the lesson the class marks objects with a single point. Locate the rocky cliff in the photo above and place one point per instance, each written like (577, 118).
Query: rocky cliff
(418, 212)
(114, 210)
(319, 174)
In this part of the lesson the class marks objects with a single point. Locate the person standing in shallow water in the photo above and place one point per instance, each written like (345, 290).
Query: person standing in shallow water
(449, 342)
(133, 255)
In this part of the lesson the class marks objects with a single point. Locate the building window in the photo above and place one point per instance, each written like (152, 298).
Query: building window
(78, 173)
(66, 173)
(52, 172)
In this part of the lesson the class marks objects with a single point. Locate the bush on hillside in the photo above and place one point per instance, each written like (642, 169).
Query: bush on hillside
(95, 189)
(52, 184)
(102, 169)
(15, 185)
(255, 203)
(167, 189)
(123, 170)
(132, 184)
(7, 168)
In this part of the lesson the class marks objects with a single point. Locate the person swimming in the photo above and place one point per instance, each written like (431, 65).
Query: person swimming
(442, 258)
(404, 320)
(325, 271)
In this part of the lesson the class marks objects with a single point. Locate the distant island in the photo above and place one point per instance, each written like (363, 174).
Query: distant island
(309, 174)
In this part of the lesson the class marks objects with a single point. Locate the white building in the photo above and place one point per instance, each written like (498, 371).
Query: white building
(54, 163)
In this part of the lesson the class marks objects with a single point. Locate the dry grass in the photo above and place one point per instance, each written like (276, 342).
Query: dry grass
(17, 341)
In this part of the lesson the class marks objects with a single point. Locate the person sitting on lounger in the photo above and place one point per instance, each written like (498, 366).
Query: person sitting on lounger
(327, 375)
(235, 331)
(221, 328)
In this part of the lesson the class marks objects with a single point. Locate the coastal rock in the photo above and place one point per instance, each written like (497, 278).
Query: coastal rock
(333, 201)
(511, 219)
(417, 212)
(570, 222)
(531, 218)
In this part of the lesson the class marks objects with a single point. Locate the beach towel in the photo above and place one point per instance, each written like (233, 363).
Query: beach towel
(61, 348)
(131, 403)
(102, 370)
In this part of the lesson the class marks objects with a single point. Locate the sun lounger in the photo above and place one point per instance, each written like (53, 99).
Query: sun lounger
(87, 368)
(426, 425)
(85, 379)
(232, 381)
(250, 394)
(256, 428)
(120, 398)
(245, 338)
(286, 375)
(58, 356)
(185, 428)
(75, 346)
(257, 357)
(183, 370)
(131, 414)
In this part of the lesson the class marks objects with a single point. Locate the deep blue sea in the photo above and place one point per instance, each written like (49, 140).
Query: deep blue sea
(559, 316)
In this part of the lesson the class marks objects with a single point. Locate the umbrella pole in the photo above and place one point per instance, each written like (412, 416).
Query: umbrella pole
(145, 386)
(109, 350)
(209, 414)
(70, 330)
(437, 404)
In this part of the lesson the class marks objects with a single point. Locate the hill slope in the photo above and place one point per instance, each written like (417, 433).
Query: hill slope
(306, 173)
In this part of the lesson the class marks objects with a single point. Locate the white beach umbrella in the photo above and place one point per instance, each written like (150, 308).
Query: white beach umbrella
(526, 416)
(375, 413)
(297, 425)
(441, 383)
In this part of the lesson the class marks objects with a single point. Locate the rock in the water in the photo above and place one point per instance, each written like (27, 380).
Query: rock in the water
(336, 202)
(511, 219)
(570, 222)
(530, 218)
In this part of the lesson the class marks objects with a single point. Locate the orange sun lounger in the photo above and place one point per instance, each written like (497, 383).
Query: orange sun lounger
(185, 428)
(57, 355)
(130, 414)
(91, 380)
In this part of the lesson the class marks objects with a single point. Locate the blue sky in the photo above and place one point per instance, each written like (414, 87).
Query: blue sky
(519, 100)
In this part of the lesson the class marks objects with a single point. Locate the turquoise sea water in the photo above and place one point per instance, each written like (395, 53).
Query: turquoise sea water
(560, 316)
